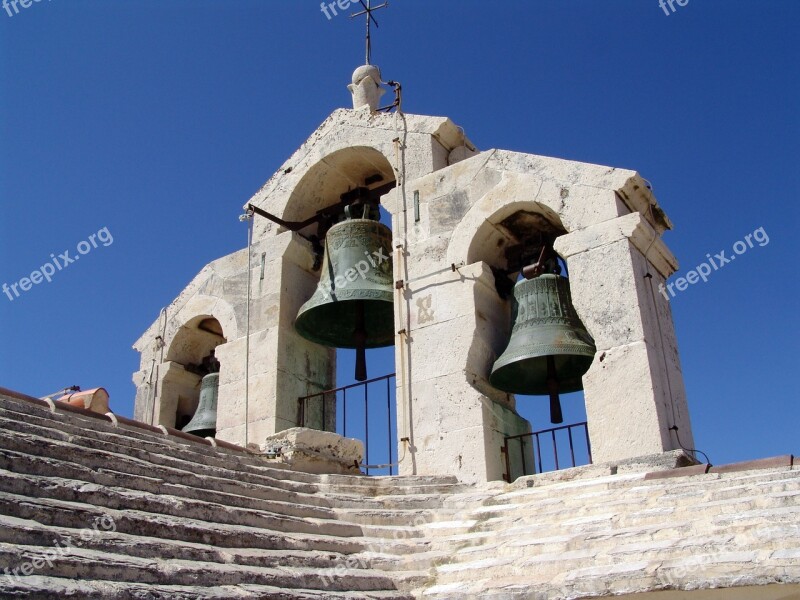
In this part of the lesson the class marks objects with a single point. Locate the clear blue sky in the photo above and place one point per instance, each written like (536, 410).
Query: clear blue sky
(158, 119)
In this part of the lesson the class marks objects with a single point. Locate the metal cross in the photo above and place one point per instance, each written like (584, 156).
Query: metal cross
(368, 10)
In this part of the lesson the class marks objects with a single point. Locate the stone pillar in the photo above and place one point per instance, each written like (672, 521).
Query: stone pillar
(634, 389)
(282, 365)
(455, 421)
(176, 385)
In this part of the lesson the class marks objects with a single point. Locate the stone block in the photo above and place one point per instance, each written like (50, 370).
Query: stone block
(314, 451)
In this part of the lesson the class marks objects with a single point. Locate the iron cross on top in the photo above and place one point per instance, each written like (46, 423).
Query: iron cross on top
(368, 10)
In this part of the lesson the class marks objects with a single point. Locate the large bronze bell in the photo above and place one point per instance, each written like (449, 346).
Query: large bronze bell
(204, 421)
(352, 306)
(550, 349)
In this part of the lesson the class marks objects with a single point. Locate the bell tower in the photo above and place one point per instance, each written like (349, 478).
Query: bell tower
(440, 287)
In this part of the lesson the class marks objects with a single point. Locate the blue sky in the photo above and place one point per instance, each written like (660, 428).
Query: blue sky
(157, 120)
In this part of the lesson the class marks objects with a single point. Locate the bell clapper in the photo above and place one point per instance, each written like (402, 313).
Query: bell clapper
(360, 339)
(552, 387)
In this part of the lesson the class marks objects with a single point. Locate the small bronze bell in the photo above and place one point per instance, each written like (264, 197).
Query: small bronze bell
(353, 305)
(550, 349)
(204, 421)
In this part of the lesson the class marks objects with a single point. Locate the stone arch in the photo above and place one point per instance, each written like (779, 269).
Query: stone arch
(333, 175)
(484, 235)
(200, 327)
(202, 306)
(490, 235)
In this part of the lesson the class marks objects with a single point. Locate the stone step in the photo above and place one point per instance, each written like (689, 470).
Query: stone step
(21, 414)
(139, 492)
(247, 496)
(22, 463)
(393, 516)
(78, 516)
(32, 533)
(103, 455)
(221, 480)
(36, 587)
(84, 563)
(622, 499)
(36, 486)
(95, 434)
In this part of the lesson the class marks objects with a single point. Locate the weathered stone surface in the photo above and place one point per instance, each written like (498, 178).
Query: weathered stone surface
(456, 215)
(159, 516)
(314, 451)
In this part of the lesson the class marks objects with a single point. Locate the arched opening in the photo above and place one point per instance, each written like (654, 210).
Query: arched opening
(190, 356)
(343, 187)
(508, 241)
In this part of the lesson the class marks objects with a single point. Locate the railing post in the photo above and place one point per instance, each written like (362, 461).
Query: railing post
(571, 449)
(366, 423)
(588, 443)
(539, 452)
(389, 419)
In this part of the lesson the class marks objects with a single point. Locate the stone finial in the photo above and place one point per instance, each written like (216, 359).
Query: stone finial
(366, 87)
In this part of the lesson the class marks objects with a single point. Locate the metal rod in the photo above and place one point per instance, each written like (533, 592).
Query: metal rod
(539, 452)
(588, 443)
(522, 454)
(352, 385)
(555, 448)
(366, 423)
(344, 414)
(389, 419)
(571, 449)
(548, 430)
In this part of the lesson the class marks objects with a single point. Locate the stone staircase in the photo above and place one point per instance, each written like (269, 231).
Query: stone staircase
(624, 534)
(88, 510)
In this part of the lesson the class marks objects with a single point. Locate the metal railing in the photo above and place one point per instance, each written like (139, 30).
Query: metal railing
(537, 449)
(340, 424)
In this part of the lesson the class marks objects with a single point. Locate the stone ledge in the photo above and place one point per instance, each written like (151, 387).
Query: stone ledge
(786, 461)
(674, 460)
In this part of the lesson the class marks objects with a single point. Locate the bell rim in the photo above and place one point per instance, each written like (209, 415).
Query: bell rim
(310, 334)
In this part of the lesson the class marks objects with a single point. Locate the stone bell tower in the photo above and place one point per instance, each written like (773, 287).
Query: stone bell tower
(458, 215)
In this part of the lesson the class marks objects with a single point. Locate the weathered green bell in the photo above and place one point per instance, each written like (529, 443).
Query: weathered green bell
(550, 349)
(204, 421)
(353, 305)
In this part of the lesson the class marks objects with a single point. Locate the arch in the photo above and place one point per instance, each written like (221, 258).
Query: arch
(201, 306)
(493, 223)
(333, 175)
(192, 342)
(195, 338)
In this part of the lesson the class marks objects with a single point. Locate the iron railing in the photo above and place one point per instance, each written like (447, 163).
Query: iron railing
(537, 449)
(340, 425)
